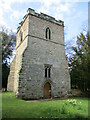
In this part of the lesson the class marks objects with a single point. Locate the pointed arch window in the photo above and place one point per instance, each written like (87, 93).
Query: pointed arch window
(48, 33)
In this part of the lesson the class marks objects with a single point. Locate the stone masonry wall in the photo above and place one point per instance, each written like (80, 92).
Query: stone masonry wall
(10, 86)
(18, 64)
(40, 52)
(33, 53)
(20, 48)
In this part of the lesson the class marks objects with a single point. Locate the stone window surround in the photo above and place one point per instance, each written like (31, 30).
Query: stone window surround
(47, 70)
(21, 35)
(48, 33)
(44, 30)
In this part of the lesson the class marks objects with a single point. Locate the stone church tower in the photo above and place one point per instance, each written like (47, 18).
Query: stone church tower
(39, 69)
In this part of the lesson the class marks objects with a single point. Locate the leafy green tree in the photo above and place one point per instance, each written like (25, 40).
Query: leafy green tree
(7, 43)
(79, 63)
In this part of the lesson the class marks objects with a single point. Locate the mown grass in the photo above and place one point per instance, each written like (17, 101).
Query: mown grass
(17, 108)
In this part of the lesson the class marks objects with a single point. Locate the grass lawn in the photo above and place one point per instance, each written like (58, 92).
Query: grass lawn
(17, 108)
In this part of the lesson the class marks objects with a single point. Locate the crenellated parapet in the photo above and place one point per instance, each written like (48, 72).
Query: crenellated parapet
(42, 16)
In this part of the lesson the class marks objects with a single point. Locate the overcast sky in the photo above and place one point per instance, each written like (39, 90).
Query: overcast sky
(74, 14)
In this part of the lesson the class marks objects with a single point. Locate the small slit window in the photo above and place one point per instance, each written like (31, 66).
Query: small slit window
(45, 72)
(21, 36)
(48, 33)
(49, 73)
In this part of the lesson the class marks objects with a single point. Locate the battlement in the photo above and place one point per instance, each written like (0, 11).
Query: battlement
(42, 16)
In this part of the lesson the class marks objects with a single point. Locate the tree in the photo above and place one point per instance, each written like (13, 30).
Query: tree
(5, 73)
(79, 63)
(8, 46)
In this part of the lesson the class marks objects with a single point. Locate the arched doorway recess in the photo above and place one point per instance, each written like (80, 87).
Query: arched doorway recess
(47, 90)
